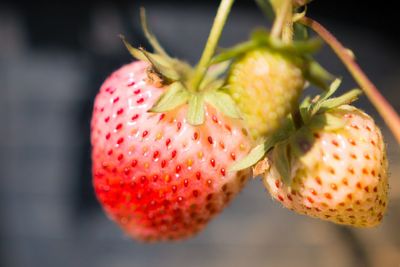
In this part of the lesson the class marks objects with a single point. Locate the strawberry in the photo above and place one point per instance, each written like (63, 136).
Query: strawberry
(163, 135)
(265, 85)
(342, 178)
(156, 175)
(267, 77)
(333, 166)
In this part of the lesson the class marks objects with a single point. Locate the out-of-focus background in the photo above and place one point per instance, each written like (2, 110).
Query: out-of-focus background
(54, 57)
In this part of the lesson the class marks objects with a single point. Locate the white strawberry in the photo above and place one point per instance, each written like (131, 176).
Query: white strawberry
(342, 178)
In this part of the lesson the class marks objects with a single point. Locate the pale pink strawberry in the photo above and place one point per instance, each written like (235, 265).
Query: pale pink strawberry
(157, 176)
(342, 178)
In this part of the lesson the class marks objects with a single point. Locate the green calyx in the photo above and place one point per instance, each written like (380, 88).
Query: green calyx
(291, 141)
(184, 84)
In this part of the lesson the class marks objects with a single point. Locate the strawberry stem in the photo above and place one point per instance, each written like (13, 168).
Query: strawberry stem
(215, 34)
(384, 108)
(282, 27)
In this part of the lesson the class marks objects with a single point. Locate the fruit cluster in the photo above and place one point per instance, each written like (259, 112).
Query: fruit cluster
(173, 144)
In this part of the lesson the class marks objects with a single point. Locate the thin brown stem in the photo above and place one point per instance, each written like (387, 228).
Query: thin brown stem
(384, 108)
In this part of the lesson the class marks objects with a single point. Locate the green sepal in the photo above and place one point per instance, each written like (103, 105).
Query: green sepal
(316, 74)
(215, 72)
(258, 152)
(282, 161)
(325, 103)
(235, 51)
(327, 122)
(222, 102)
(195, 114)
(344, 99)
(317, 102)
(213, 85)
(136, 53)
(167, 68)
(332, 89)
(263, 38)
(255, 155)
(174, 96)
(161, 66)
(150, 36)
(304, 109)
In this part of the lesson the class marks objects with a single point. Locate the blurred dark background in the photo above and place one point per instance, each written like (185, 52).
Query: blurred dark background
(54, 57)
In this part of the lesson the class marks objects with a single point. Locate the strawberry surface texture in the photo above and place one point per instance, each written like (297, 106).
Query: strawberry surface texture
(266, 86)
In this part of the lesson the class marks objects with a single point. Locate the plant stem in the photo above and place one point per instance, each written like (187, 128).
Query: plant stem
(281, 18)
(215, 34)
(287, 31)
(386, 111)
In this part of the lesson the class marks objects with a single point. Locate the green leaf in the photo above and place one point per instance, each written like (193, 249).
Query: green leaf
(282, 162)
(174, 96)
(223, 102)
(344, 99)
(255, 155)
(150, 36)
(195, 114)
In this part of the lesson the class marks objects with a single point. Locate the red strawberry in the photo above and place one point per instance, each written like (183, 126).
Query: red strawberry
(156, 175)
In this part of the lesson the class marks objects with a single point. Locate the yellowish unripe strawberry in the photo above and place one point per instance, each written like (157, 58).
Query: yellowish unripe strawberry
(265, 85)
